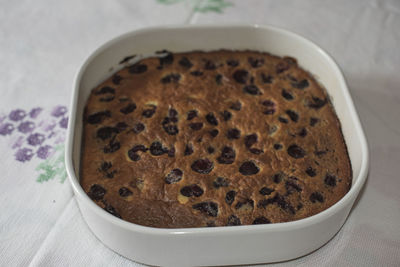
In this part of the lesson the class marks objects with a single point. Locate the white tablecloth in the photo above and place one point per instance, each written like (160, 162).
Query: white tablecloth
(43, 43)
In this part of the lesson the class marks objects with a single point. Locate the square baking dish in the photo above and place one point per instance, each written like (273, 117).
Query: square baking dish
(249, 244)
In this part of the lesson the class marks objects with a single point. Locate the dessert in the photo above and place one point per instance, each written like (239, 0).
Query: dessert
(218, 138)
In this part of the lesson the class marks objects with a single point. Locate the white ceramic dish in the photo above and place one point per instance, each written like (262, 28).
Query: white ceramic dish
(218, 245)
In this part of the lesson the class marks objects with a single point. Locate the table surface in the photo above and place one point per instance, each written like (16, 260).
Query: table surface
(42, 45)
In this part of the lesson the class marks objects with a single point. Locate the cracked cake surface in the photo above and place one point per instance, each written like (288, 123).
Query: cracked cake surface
(218, 138)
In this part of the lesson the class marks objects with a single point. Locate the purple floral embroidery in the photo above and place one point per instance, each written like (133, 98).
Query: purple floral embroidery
(35, 133)
(35, 139)
(44, 152)
(26, 127)
(59, 111)
(24, 154)
(17, 115)
(35, 112)
(6, 129)
(64, 123)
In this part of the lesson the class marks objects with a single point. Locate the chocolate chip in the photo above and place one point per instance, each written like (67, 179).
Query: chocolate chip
(226, 115)
(227, 155)
(251, 89)
(211, 119)
(98, 117)
(317, 103)
(292, 115)
(278, 177)
(188, 150)
(139, 148)
(256, 62)
(203, 166)
(172, 113)
(236, 106)
(250, 140)
(196, 73)
(210, 150)
(277, 146)
(105, 90)
(167, 59)
(278, 200)
(174, 176)
(171, 129)
(105, 166)
(116, 79)
(233, 134)
(302, 132)
(112, 146)
(233, 220)
(266, 78)
(133, 155)
(173, 77)
(128, 109)
(196, 126)
(209, 208)
(330, 180)
(106, 132)
(121, 126)
(261, 220)
(124, 192)
(265, 191)
(185, 62)
(301, 84)
(213, 132)
(110, 209)
(191, 114)
(292, 186)
(192, 190)
(283, 120)
(241, 76)
(96, 192)
(269, 111)
(232, 62)
(156, 149)
(137, 68)
(313, 121)
(209, 65)
(148, 113)
(220, 182)
(281, 67)
(316, 196)
(296, 152)
(311, 172)
(138, 127)
(230, 197)
(287, 95)
(218, 79)
(256, 151)
(249, 168)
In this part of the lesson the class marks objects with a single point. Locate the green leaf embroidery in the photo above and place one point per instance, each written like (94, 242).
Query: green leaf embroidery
(53, 167)
(213, 5)
(204, 6)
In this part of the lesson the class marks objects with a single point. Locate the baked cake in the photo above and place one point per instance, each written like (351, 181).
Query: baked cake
(213, 139)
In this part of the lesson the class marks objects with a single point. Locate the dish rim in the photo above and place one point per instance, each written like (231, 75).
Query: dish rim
(275, 227)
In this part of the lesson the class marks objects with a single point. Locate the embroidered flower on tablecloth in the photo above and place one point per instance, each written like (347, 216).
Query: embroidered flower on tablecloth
(38, 134)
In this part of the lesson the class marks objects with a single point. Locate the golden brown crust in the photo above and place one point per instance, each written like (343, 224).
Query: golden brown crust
(289, 161)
